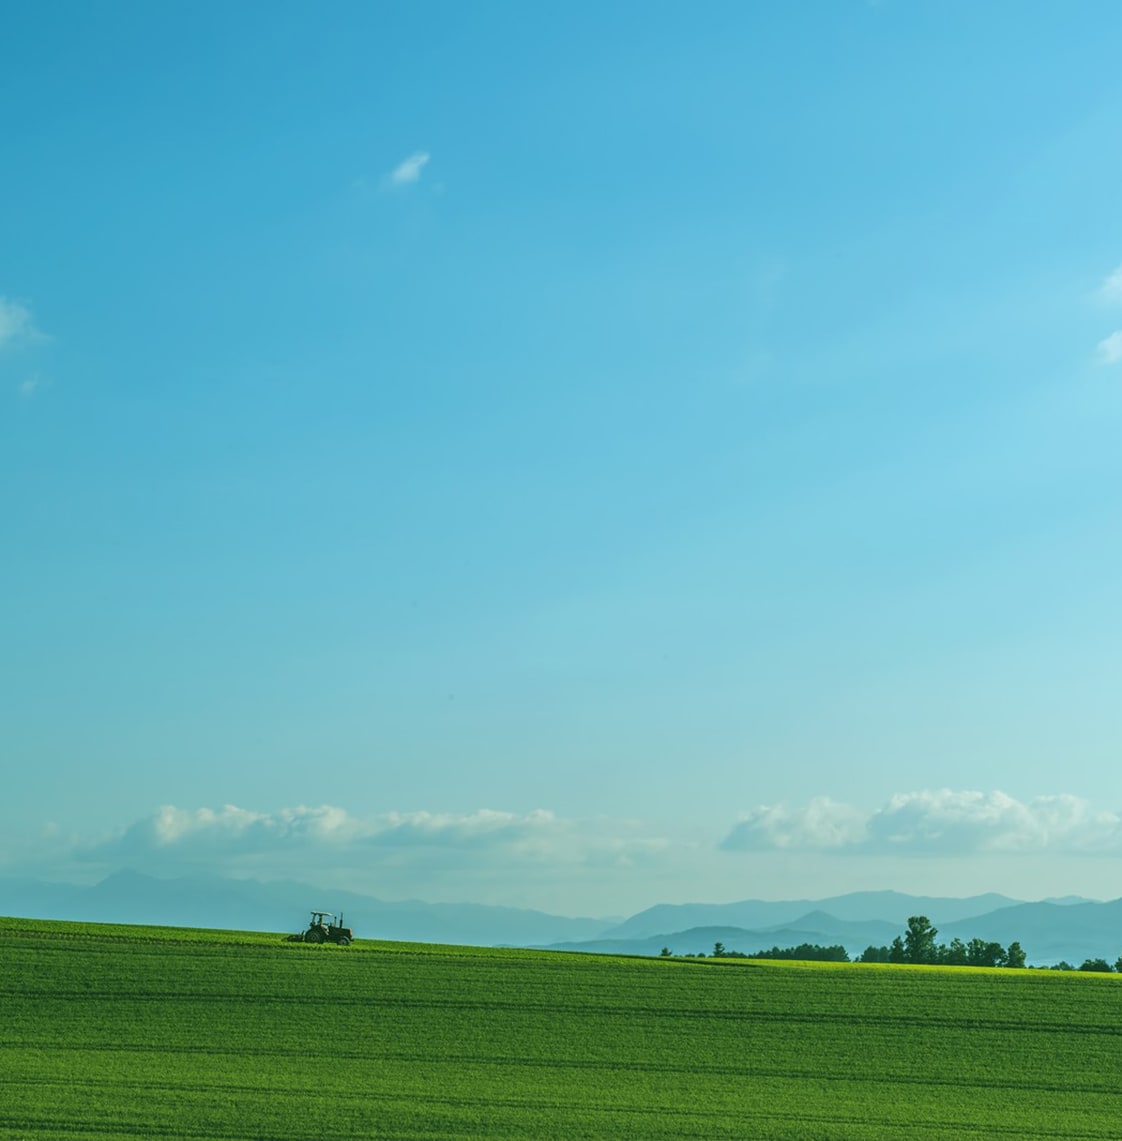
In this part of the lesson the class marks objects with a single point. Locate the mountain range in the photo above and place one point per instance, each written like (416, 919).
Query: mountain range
(249, 905)
(1071, 929)
(1050, 930)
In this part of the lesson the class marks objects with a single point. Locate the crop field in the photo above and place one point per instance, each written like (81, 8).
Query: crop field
(129, 1032)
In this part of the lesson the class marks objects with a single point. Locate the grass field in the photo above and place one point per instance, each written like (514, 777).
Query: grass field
(129, 1032)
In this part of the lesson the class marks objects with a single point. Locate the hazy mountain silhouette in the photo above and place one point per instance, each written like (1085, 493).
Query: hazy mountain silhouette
(248, 905)
(1050, 931)
(818, 928)
(1070, 928)
(754, 914)
(1047, 931)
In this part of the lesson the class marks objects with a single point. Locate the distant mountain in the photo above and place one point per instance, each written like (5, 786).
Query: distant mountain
(1049, 931)
(1070, 928)
(247, 905)
(852, 932)
(818, 928)
(696, 939)
(754, 914)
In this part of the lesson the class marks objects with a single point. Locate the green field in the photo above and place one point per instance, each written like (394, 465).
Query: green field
(128, 1032)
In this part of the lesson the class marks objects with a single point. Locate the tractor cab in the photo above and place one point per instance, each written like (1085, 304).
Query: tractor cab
(326, 928)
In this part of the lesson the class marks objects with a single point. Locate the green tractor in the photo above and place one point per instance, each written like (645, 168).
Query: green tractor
(325, 928)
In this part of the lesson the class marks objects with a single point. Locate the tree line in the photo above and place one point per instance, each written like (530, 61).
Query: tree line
(917, 945)
(804, 952)
(1098, 965)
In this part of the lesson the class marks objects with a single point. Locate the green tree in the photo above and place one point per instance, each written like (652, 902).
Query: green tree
(1118, 964)
(979, 953)
(1015, 956)
(1095, 965)
(665, 953)
(718, 950)
(954, 954)
(919, 940)
(897, 953)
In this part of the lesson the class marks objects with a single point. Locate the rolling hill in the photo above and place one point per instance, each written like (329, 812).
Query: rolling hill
(122, 1032)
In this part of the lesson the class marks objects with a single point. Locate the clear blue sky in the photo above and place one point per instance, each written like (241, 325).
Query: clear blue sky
(572, 457)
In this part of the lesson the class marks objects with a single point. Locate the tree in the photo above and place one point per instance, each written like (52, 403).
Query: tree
(1015, 956)
(919, 940)
(954, 954)
(873, 954)
(665, 953)
(1095, 965)
(718, 950)
(1118, 964)
(979, 953)
(897, 952)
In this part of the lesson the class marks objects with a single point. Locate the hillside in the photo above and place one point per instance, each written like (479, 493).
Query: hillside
(117, 1032)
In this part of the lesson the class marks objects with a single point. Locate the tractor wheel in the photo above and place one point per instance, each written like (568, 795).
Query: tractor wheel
(344, 940)
(314, 935)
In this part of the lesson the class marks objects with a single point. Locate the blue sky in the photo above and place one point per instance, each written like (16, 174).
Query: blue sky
(573, 458)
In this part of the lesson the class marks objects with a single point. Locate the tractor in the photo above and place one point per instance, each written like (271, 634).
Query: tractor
(325, 928)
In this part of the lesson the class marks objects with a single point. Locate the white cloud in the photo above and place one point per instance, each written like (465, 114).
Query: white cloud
(1110, 348)
(942, 821)
(1111, 288)
(823, 823)
(307, 839)
(15, 321)
(409, 170)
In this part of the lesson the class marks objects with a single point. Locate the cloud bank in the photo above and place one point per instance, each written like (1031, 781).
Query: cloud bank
(328, 837)
(942, 822)
(609, 865)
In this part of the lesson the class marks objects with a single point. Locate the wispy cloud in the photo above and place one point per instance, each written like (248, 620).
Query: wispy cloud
(409, 171)
(15, 322)
(1110, 348)
(1111, 288)
(943, 821)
